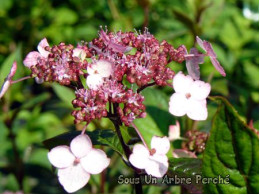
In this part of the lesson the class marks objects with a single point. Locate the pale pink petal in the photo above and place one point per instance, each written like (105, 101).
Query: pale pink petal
(182, 83)
(217, 65)
(178, 104)
(95, 161)
(8, 80)
(31, 59)
(80, 53)
(197, 110)
(200, 90)
(139, 157)
(104, 68)
(160, 144)
(94, 81)
(157, 166)
(73, 178)
(4, 88)
(200, 42)
(12, 71)
(61, 157)
(180, 153)
(41, 47)
(81, 145)
(192, 64)
(209, 49)
(174, 131)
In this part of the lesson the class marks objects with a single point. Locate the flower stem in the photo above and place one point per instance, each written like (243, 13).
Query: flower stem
(125, 147)
(116, 121)
(140, 135)
(21, 79)
(143, 87)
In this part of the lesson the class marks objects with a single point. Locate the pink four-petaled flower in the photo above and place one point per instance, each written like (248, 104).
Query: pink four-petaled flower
(189, 97)
(76, 163)
(32, 58)
(154, 161)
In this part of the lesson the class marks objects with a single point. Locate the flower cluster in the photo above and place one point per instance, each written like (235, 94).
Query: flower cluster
(110, 64)
(61, 63)
(107, 62)
(196, 141)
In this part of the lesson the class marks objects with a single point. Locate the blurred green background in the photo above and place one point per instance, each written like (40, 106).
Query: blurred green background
(31, 113)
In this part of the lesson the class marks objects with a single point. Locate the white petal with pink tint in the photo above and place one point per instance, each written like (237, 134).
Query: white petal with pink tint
(80, 53)
(200, 90)
(8, 79)
(197, 110)
(31, 59)
(102, 68)
(160, 144)
(178, 104)
(81, 146)
(94, 81)
(61, 157)
(41, 48)
(73, 178)
(182, 83)
(139, 157)
(4, 88)
(12, 71)
(157, 166)
(95, 161)
(174, 131)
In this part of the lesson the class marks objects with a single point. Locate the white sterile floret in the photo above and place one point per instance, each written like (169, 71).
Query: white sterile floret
(155, 161)
(32, 58)
(76, 163)
(189, 97)
(97, 72)
(80, 53)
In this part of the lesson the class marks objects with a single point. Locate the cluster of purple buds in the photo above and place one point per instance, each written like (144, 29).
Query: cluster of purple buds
(196, 141)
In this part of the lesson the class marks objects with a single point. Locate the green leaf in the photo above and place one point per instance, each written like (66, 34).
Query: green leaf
(64, 93)
(98, 137)
(159, 118)
(189, 168)
(232, 149)
(36, 100)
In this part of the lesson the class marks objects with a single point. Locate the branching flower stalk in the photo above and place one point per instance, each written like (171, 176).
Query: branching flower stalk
(109, 64)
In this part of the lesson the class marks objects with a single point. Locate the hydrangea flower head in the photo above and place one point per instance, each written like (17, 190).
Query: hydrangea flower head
(155, 161)
(76, 163)
(189, 97)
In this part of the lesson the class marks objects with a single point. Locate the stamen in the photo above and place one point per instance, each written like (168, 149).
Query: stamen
(152, 151)
(188, 95)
